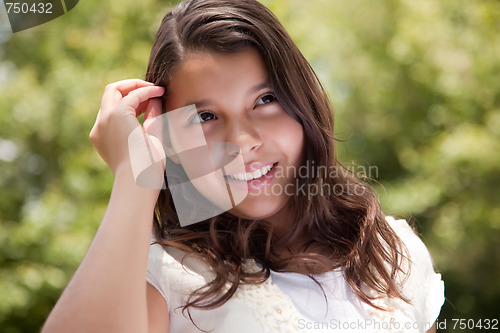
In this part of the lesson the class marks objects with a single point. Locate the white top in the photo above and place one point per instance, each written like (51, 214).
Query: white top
(292, 302)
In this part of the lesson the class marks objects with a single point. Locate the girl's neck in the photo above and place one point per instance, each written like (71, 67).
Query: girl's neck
(321, 263)
(282, 223)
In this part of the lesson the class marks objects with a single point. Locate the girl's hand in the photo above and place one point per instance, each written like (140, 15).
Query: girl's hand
(121, 104)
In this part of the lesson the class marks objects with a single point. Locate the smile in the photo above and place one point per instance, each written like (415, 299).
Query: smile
(252, 175)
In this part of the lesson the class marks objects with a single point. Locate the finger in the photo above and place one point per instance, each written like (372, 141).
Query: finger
(144, 107)
(136, 97)
(141, 108)
(153, 109)
(127, 86)
(114, 92)
(153, 122)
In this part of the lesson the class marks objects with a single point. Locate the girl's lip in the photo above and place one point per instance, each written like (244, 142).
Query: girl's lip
(254, 184)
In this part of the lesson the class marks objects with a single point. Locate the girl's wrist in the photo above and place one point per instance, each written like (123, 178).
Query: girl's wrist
(124, 181)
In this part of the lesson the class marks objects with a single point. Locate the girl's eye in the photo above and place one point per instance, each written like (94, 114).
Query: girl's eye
(266, 99)
(203, 117)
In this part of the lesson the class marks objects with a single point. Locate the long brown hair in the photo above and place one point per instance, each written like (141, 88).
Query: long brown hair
(347, 225)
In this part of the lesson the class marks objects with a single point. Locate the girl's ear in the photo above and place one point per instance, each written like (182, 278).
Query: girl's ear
(155, 124)
(170, 152)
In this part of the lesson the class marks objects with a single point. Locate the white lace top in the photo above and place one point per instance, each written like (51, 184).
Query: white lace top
(292, 302)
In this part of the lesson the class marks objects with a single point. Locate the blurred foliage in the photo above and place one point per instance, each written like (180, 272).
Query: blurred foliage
(415, 89)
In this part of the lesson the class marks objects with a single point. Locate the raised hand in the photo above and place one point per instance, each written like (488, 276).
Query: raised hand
(121, 104)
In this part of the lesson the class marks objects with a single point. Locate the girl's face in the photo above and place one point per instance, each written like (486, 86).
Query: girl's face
(235, 103)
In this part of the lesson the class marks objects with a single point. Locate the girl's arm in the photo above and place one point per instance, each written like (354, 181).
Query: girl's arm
(432, 329)
(108, 292)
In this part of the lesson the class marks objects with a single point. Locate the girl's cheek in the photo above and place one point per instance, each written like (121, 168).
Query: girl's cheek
(286, 126)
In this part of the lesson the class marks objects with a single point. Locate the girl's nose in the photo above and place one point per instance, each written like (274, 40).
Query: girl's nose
(245, 135)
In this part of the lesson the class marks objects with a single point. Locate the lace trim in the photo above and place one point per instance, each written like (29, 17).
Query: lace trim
(391, 320)
(273, 308)
(276, 312)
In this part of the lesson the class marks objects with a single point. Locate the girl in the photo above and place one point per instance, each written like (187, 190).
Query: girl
(301, 252)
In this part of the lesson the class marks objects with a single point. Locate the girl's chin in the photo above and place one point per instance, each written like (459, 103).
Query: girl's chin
(243, 215)
(256, 213)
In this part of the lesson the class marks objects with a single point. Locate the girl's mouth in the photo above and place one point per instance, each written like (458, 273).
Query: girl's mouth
(253, 182)
(257, 174)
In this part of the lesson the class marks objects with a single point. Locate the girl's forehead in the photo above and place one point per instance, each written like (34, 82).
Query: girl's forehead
(209, 62)
(217, 75)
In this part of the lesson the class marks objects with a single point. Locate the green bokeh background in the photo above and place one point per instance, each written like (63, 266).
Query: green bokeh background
(416, 90)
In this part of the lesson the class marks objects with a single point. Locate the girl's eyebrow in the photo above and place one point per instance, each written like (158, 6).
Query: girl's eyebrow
(251, 91)
(202, 104)
(259, 87)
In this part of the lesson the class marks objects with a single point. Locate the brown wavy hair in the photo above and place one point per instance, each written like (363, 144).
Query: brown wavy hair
(348, 226)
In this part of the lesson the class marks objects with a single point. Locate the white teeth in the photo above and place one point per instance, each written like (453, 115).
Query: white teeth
(252, 175)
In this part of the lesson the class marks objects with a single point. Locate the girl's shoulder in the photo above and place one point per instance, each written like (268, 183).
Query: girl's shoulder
(252, 308)
(419, 265)
(173, 270)
(421, 285)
